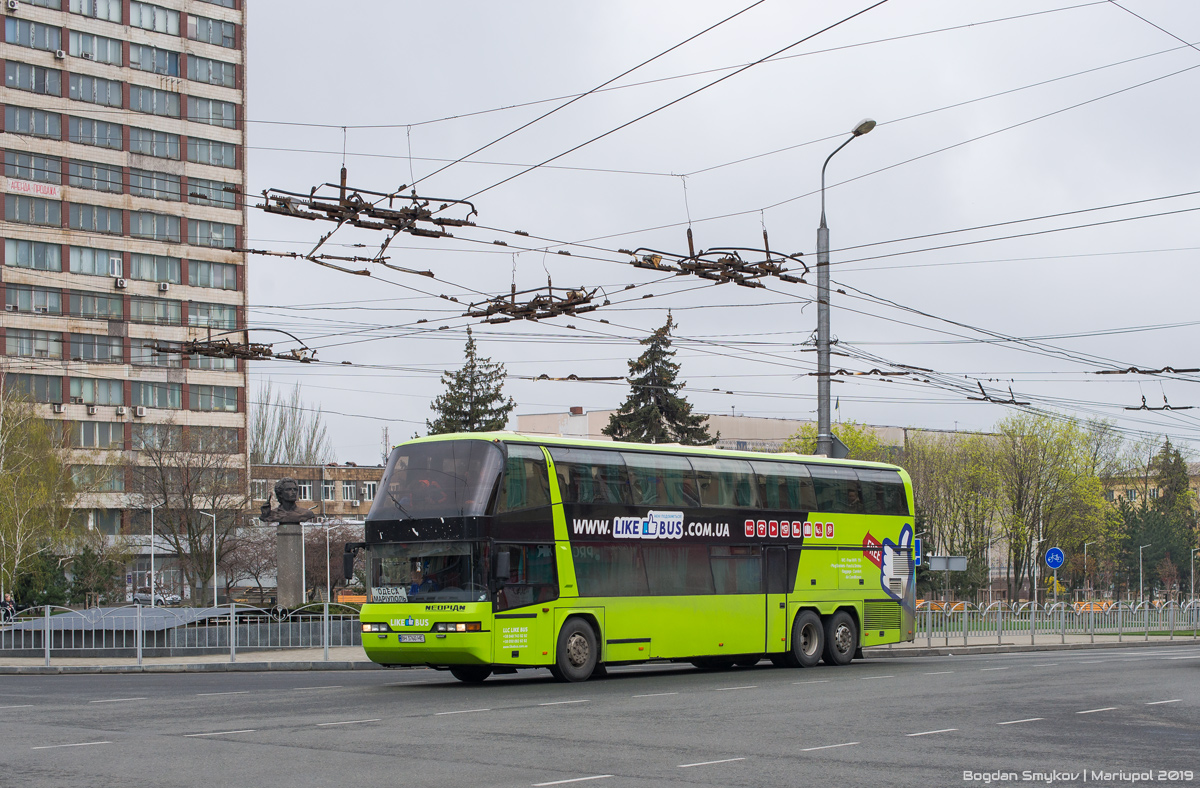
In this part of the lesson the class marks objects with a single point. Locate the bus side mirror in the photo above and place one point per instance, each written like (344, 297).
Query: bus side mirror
(503, 566)
(348, 565)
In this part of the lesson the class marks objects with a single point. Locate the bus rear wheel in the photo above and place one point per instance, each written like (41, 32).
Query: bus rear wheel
(841, 639)
(470, 674)
(577, 652)
(808, 640)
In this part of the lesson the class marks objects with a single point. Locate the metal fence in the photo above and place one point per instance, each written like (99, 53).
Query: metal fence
(964, 623)
(138, 631)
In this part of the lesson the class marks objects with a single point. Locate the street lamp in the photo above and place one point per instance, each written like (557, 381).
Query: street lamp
(1035, 569)
(214, 519)
(1086, 585)
(1193, 575)
(824, 429)
(1140, 549)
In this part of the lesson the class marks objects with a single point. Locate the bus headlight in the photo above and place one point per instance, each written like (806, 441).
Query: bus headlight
(450, 626)
(376, 627)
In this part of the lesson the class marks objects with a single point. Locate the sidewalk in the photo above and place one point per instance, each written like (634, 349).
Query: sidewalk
(1014, 641)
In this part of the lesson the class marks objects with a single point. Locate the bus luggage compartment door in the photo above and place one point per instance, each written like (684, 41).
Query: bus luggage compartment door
(521, 636)
(776, 597)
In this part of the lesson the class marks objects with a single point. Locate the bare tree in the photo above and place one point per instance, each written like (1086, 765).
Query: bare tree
(314, 554)
(284, 431)
(252, 556)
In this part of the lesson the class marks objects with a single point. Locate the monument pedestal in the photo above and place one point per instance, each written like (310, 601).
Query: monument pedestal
(289, 547)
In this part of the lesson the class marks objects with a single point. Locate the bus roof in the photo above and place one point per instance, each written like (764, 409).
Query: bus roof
(666, 448)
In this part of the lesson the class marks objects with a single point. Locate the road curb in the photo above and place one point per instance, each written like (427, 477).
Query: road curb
(195, 667)
(883, 652)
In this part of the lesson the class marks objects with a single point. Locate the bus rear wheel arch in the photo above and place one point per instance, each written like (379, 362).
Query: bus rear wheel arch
(577, 652)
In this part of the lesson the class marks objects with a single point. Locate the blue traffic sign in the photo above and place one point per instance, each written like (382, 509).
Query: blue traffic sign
(1054, 558)
(917, 551)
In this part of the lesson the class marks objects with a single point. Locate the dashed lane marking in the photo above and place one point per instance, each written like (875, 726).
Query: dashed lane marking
(564, 702)
(1018, 722)
(237, 692)
(709, 763)
(829, 746)
(726, 689)
(930, 733)
(216, 733)
(1160, 702)
(347, 722)
(656, 695)
(463, 711)
(80, 744)
(114, 700)
(940, 673)
(814, 681)
(1093, 711)
(983, 669)
(572, 780)
(872, 678)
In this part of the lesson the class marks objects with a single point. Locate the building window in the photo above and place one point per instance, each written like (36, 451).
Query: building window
(214, 72)
(213, 363)
(205, 192)
(225, 3)
(35, 79)
(32, 210)
(32, 254)
(222, 276)
(39, 388)
(158, 395)
(35, 300)
(109, 10)
(94, 391)
(154, 60)
(218, 154)
(32, 34)
(369, 489)
(154, 268)
(53, 4)
(1153, 493)
(96, 305)
(163, 437)
(31, 167)
(212, 315)
(219, 440)
(95, 132)
(90, 175)
(349, 491)
(212, 31)
(202, 232)
(98, 435)
(98, 478)
(154, 226)
(143, 354)
(153, 101)
(154, 143)
(152, 17)
(156, 185)
(259, 488)
(32, 344)
(1110, 495)
(95, 262)
(95, 218)
(96, 90)
(34, 122)
(98, 348)
(212, 112)
(1131, 494)
(328, 490)
(93, 47)
(158, 311)
(306, 486)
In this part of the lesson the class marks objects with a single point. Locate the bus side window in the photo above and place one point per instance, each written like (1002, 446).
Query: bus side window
(883, 491)
(726, 483)
(524, 484)
(533, 576)
(660, 479)
(837, 489)
(785, 486)
(737, 569)
(591, 476)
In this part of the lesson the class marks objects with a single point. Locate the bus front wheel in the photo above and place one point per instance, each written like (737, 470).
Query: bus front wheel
(470, 674)
(808, 639)
(841, 639)
(577, 653)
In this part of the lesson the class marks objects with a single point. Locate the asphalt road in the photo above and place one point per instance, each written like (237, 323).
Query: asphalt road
(893, 722)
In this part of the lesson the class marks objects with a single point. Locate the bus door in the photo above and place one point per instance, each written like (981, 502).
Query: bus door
(777, 590)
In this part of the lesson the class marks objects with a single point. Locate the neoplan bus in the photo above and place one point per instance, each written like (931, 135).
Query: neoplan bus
(490, 552)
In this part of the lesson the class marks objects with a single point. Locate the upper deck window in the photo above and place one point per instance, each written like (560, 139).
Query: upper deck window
(453, 478)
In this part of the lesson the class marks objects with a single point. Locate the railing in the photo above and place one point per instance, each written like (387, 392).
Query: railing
(964, 623)
(138, 631)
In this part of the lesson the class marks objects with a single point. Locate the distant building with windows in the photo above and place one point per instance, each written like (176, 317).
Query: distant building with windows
(333, 491)
(124, 168)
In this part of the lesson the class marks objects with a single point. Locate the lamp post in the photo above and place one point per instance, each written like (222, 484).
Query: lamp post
(1140, 549)
(152, 508)
(1086, 586)
(1193, 575)
(1035, 568)
(214, 519)
(824, 429)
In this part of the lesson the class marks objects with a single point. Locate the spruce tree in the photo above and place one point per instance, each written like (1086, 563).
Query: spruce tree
(474, 400)
(654, 412)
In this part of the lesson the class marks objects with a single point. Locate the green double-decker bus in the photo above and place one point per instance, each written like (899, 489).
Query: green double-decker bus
(491, 552)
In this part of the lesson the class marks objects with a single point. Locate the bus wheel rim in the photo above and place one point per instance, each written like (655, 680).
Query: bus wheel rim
(808, 639)
(842, 638)
(578, 650)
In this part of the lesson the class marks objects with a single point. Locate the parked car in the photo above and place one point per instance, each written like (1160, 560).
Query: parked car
(173, 599)
(142, 597)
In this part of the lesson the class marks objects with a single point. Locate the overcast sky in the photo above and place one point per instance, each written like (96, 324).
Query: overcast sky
(989, 113)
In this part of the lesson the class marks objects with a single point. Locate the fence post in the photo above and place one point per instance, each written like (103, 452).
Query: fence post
(138, 636)
(46, 634)
(999, 624)
(1171, 624)
(1063, 620)
(325, 633)
(965, 614)
(1032, 610)
(232, 632)
(1147, 614)
(1091, 621)
(928, 625)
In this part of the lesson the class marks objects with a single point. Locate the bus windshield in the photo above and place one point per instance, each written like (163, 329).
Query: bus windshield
(427, 572)
(438, 479)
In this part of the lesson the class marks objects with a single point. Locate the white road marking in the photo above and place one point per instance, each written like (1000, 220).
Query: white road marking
(814, 681)
(983, 669)
(1159, 702)
(331, 686)
(22, 706)
(114, 700)
(573, 780)
(561, 702)
(238, 692)
(940, 673)
(1089, 661)
(930, 733)
(1044, 665)
(726, 689)
(709, 763)
(216, 733)
(656, 695)
(80, 744)
(829, 746)
(1093, 711)
(463, 711)
(1018, 722)
(1194, 656)
(347, 722)
(872, 678)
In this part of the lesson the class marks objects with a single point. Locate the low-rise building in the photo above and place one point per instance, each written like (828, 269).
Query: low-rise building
(334, 490)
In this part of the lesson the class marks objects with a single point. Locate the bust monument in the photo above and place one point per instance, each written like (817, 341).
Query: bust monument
(287, 512)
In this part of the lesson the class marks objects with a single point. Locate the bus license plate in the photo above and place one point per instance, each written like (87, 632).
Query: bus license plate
(412, 638)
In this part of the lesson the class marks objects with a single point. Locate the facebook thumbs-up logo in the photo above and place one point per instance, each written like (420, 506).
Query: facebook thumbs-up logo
(895, 570)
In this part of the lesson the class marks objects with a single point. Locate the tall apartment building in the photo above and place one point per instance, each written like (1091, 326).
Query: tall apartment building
(124, 167)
